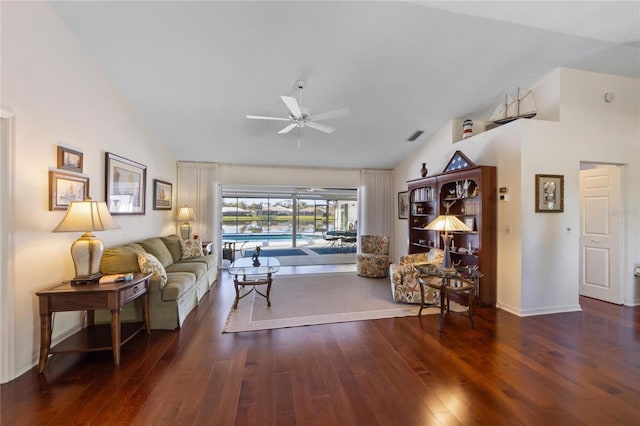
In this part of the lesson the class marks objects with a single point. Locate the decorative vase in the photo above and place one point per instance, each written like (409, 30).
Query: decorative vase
(423, 170)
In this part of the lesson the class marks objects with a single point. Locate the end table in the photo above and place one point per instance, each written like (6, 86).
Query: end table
(89, 297)
(466, 280)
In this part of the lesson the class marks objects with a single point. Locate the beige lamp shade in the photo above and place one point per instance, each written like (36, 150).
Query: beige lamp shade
(87, 216)
(185, 214)
(447, 223)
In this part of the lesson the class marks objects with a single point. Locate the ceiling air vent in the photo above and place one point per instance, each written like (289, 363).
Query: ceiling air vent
(415, 135)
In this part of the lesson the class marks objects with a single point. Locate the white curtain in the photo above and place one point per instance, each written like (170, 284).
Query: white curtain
(198, 188)
(375, 203)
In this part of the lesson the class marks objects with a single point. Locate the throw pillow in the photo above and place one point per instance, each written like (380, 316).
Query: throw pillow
(191, 248)
(149, 264)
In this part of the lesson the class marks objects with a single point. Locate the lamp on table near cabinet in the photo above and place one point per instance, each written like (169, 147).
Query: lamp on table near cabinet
(447, 223)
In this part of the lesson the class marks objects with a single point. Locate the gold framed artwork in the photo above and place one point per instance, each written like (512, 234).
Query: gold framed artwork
(403, 205)
(65, 188)
(68, 159)
(162, 195)
(125, 188)
(549, 193)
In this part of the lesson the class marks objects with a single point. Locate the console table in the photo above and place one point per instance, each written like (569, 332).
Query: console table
(89, 297)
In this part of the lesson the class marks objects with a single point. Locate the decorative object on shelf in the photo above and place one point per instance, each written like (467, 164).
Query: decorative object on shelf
(185, 214)
(458, 162)
(403, 205)
(68, 159)
(470, 222)
(65, 188)
(423, 170)
(87, 216)
(255, 256)
(523, 106)
(549, 193)
(162, 195)
(125, 185)
(467, 129)
(447, 223)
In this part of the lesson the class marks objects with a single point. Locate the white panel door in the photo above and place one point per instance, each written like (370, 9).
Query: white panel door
(600, 238)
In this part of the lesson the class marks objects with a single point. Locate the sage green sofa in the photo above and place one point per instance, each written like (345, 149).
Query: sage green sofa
(187, 280)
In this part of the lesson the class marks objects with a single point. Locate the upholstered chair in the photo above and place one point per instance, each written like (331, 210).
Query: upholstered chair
(405, 287)
(373, 259)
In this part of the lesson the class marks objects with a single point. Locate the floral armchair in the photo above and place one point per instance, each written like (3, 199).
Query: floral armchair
(405, 287)
(373, 259)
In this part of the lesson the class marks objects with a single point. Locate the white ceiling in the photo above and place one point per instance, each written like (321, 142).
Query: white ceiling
(194, 70)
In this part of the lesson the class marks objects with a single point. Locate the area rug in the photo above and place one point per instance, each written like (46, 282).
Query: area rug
(298, 300)
(277, 252)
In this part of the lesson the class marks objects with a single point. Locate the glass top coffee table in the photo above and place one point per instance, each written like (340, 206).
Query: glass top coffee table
(245, 274)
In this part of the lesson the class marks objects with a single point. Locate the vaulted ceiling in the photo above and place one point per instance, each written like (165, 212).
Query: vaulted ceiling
(194, 70)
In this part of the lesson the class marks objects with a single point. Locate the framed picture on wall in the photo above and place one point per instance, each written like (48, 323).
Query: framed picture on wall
(162, 195)
(549, 193)
(68, 159)
(403, 205)
(65, 188)
(126, 183)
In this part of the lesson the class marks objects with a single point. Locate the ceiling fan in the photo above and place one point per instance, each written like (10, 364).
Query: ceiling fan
(300, 116)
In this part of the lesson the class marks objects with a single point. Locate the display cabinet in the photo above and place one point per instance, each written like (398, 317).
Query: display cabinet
(469, 193)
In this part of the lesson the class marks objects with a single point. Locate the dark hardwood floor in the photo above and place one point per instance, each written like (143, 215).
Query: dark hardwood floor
(564, 369)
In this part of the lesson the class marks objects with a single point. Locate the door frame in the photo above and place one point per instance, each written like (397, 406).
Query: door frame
(7, 251)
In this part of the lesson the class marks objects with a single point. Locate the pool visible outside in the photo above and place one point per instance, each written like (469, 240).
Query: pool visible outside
(277, 239)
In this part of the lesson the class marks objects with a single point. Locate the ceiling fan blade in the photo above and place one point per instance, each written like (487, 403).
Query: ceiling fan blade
(288, 128)
(293, 106)
(331, 114)
(262, 117)
(321, 127)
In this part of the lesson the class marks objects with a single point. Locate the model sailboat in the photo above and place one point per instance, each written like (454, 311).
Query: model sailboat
(522, 107)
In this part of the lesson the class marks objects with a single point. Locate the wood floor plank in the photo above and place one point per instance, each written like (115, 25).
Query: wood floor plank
(571, 368)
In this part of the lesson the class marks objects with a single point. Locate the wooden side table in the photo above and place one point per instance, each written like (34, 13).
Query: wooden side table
(89, 297)
(467, 282)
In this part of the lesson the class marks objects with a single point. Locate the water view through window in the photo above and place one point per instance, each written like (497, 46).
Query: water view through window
(294, 219)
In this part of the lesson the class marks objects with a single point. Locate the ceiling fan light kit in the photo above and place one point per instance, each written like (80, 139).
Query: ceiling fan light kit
(300, 116)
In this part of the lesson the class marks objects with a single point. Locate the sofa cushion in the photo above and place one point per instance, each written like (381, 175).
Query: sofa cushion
(191, 248)
(196, 268)
(210, 261)
(173, 244)
(156, 247)
(119, 260)
(150, 264)
(178, 283)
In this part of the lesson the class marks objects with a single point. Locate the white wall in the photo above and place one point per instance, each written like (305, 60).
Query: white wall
(237, 174)
(538, 260)
(61, 97)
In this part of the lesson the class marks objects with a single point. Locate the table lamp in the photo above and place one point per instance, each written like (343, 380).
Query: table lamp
(446, 222)
(185, 214)
(87, 216)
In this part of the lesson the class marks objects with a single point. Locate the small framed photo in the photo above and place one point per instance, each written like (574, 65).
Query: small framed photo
(69, 159)
(403, 205)
(126, 183)
(470, 221)
(162, 195)
(65, 188)
(549, 193)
